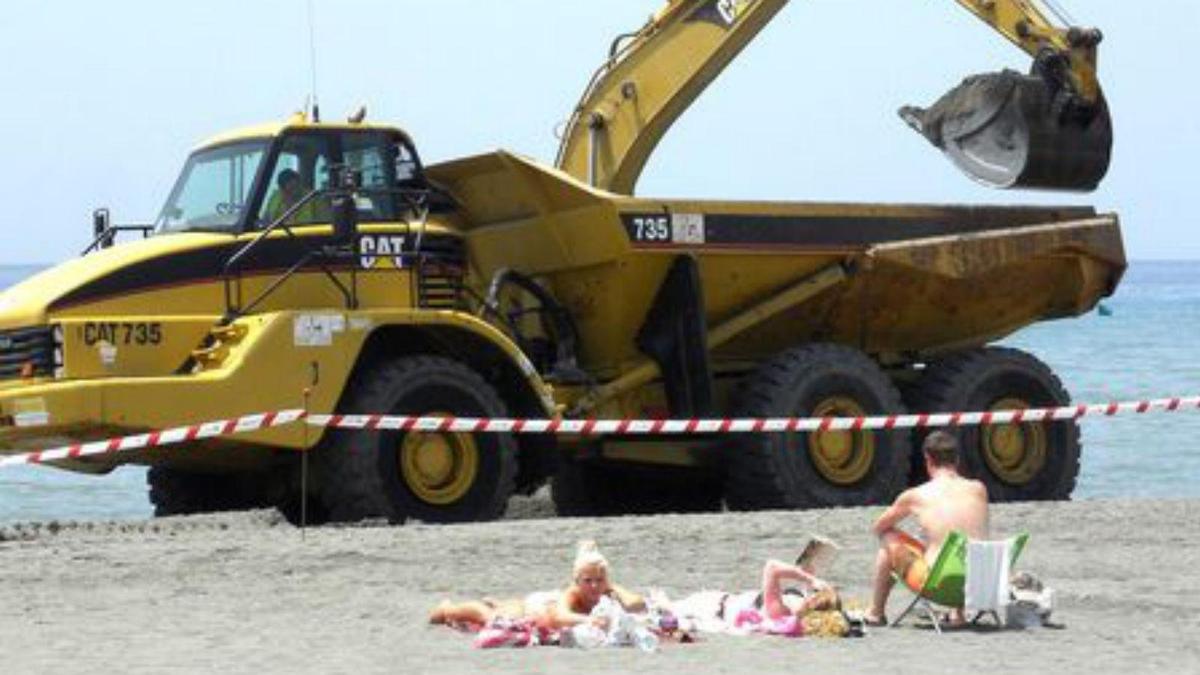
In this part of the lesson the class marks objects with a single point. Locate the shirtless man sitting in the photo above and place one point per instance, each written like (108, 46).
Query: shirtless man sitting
(946, 502)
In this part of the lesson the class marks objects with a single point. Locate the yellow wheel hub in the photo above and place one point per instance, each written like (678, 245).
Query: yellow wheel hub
(439, 468)
(841, 457)
(1014, 453)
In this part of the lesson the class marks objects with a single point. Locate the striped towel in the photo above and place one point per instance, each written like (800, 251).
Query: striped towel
(987, 575)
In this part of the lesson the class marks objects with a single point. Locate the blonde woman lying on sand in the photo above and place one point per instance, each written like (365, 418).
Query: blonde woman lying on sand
(772, 609)
(549, 609)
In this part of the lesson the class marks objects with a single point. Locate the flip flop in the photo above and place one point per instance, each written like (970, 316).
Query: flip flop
(879, 622)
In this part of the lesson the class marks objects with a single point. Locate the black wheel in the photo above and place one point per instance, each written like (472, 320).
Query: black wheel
(581, 489)
(301, 510)
(175, 492)
(822, 469)
(612, 489)
(1036, 461)
(433, 477)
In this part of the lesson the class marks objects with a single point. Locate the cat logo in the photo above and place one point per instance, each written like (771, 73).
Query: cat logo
(724, 13)
(376, 248)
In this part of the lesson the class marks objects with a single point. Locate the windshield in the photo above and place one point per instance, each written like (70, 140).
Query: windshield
(212, 191)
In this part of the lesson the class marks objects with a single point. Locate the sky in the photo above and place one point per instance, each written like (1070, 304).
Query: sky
(102, 101)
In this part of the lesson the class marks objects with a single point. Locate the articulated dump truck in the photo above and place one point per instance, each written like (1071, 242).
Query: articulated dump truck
(322, 265)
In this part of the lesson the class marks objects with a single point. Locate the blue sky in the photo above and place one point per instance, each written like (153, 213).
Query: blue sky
(102, 101)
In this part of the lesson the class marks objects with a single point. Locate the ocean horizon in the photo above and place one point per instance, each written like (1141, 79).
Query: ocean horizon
(1137, 349)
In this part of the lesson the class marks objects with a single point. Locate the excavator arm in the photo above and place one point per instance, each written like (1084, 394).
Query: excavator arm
(1072, 50)
(1047, 130)
(650, 78)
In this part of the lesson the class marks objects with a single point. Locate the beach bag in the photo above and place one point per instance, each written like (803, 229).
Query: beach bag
(583, 636)
(624, 630)
(1031, 602)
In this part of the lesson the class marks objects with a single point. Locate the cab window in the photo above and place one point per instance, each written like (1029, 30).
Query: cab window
(386, 166)
(212, 189)
(301, 167)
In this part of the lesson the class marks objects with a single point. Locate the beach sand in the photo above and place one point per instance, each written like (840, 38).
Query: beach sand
(250, 593)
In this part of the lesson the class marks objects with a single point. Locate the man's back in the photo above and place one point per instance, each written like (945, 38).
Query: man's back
(950, 502)
(944, 503)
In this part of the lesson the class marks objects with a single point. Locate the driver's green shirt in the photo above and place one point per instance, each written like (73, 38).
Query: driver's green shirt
(307, 214)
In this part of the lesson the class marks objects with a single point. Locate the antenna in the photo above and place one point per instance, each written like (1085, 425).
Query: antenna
(312, 62)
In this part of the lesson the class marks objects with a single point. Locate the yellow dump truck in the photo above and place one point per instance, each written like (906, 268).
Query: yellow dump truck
(322, 265)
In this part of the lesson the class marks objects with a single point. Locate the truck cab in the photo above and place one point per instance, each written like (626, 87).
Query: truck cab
(242, 181)
(289, 262)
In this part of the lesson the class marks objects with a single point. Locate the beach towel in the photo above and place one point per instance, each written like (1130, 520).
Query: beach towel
(507, 633)
(986, 587)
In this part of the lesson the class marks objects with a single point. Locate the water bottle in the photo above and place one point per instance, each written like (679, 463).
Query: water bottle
(645, 640)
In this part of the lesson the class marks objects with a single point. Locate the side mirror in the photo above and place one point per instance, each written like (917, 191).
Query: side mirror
(343, 205)
(101, 222)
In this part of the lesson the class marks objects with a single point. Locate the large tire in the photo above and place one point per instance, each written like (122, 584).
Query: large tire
(795, 470)
(175, 492)
(435, 477)
(613, 489)
(1017, 463)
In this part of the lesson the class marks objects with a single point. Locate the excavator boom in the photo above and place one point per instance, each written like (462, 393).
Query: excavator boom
(1028, 27)
(649, 80)
(1050, 129)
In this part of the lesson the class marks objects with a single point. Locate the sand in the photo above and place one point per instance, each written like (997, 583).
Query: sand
(250, 593)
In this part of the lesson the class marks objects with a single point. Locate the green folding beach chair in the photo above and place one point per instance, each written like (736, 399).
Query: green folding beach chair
(947, 579)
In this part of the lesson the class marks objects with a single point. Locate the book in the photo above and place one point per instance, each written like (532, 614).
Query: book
(818, 555)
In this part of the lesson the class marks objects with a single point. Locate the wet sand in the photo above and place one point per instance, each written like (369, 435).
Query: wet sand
(250, 593)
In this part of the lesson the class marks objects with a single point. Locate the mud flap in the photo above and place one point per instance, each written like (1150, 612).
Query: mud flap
(1008, 130)
(673, 335)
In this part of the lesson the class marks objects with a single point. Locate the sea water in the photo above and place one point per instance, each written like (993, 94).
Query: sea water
(1141, 349)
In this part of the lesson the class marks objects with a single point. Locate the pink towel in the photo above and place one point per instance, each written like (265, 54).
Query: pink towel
(508, 633)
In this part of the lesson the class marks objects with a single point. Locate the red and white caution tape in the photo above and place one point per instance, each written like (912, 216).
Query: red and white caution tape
(158, 439)
(591, 427)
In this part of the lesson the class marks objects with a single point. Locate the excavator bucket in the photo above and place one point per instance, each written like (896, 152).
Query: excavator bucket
(1008, 130)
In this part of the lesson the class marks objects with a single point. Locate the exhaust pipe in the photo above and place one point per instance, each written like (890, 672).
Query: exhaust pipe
(1008, 130)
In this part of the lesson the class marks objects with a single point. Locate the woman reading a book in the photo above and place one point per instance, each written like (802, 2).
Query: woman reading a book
(778, 602)
(787, 593)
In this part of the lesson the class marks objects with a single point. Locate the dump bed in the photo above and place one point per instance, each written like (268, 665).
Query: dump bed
(906, 280)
